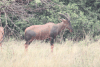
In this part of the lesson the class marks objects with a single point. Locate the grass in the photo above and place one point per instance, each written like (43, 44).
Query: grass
(68, 54)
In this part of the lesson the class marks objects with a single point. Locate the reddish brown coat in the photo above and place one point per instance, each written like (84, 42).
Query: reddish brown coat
(48, 30)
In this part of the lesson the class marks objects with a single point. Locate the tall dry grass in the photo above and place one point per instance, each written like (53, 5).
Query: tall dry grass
(68, 54)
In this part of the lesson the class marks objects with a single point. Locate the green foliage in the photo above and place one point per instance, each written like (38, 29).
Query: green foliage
(84, 14)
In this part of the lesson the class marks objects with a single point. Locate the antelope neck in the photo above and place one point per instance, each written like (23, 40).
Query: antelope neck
(61, 26)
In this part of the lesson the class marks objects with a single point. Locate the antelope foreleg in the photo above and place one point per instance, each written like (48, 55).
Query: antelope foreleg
(52, 46)
(27, 44)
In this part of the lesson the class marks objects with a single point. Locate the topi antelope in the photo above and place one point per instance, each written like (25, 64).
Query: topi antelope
(48, 30)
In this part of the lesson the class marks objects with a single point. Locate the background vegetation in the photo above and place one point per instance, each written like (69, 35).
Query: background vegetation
(16, 15)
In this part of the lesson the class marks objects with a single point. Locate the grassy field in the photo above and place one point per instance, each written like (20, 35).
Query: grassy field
(68, 54)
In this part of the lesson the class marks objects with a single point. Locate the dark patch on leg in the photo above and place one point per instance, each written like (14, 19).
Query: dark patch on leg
(51, 41)
(29, 34)
(53, 34)
(28, 37)
(52, 44)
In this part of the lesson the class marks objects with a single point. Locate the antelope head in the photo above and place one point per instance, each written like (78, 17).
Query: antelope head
(67, 22)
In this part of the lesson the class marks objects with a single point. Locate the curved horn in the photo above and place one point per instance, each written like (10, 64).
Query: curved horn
(65, 16)
(68, 16)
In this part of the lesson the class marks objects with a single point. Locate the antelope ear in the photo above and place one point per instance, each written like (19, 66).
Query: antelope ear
(62, 20)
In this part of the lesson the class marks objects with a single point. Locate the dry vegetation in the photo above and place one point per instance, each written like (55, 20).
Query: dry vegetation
(68, 54)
